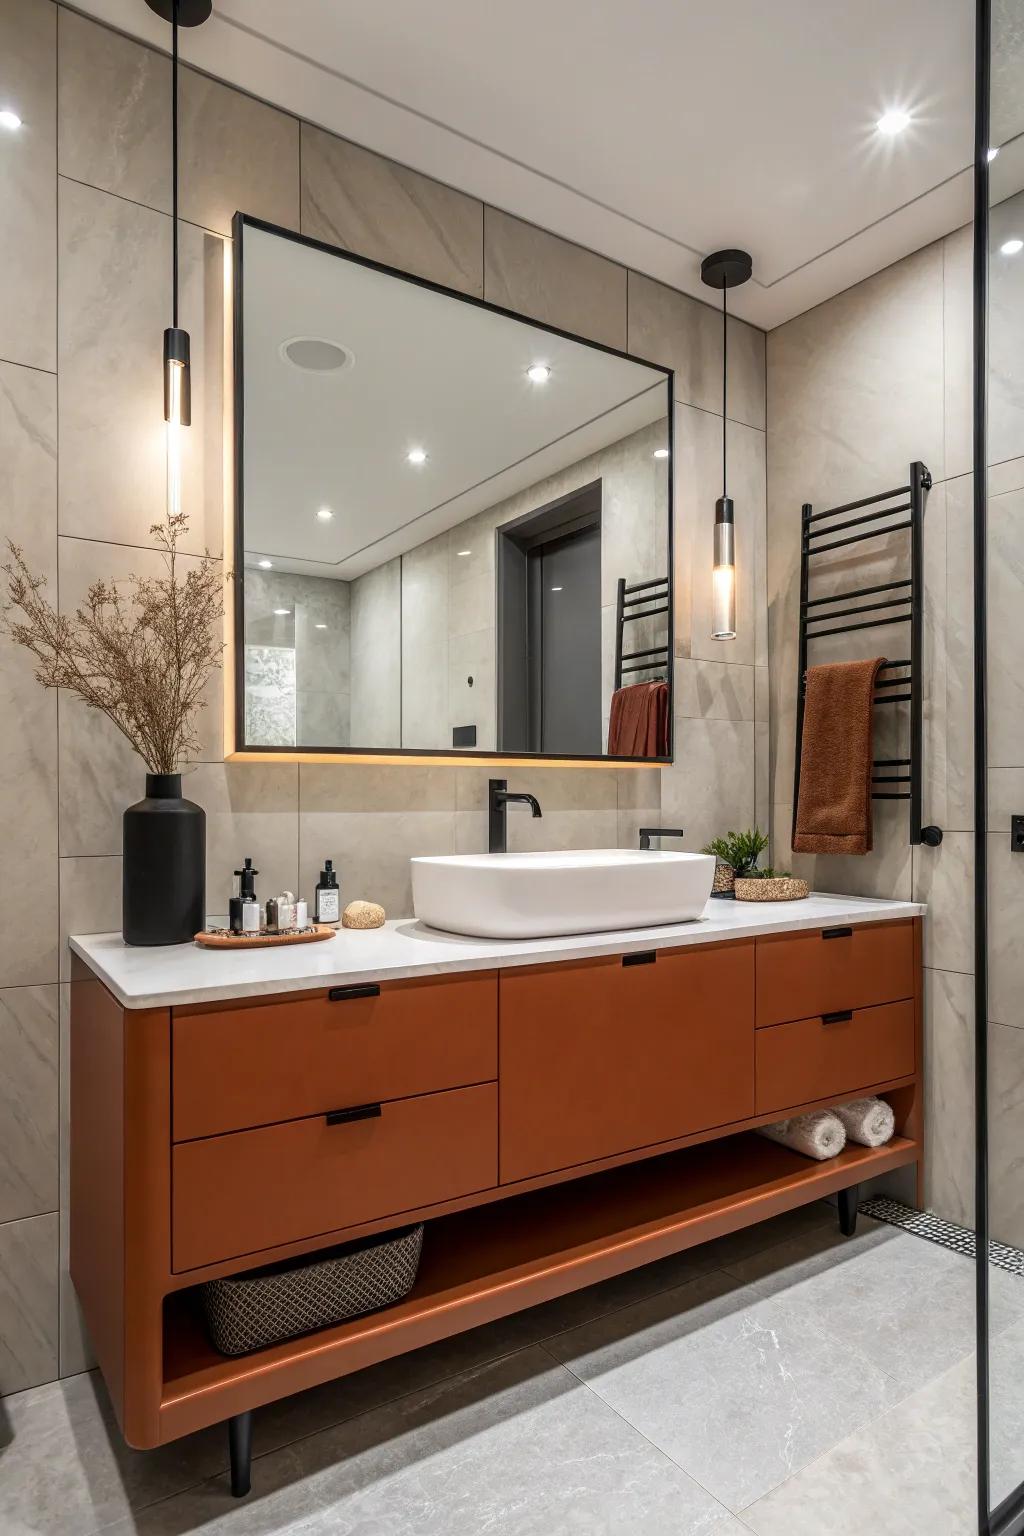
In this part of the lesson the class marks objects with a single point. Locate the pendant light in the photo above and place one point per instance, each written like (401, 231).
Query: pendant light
(724, 270)
(177, 362)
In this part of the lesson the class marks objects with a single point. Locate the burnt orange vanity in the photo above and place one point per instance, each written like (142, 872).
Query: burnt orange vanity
(555, 1124)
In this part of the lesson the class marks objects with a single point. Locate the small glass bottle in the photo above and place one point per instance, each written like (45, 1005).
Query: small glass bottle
(328, 895)
(244, 909)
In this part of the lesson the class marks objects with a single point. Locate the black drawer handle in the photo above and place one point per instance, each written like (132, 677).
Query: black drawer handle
(837, 933)
(343, 994)
(645, 957)
(357, 1112)
(843, 1016)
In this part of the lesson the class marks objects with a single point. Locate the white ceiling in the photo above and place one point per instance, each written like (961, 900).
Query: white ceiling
(427, 371)
(654, 131)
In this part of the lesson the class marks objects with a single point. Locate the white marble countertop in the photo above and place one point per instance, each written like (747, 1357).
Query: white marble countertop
(185, 973)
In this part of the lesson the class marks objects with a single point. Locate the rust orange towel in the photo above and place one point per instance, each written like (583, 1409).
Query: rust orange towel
(638, 726)
(834, 812)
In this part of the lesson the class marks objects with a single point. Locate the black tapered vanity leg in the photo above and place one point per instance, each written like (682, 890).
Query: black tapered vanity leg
(240, 1445)
(848, 1203)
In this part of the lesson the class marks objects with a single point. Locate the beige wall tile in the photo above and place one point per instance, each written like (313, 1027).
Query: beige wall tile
(942, 879)
(28, 229)
(1005, 797)
(380, 209)
(557, 789)
(547, 278)
(28, 746)
(713, 690)
(1005, 605)
(681, 333)
(710, 789)
(561, 830)
(1006, 300)
(1006, 1110)
(639, 789)
(251, 810)
(236, 153)
(28, 1302)
(958, 343)
(114, 304)
(28, 1101)
(90, 901)
(371, 852)
(1005, 924)
(885, 872)
(762, 778)
(349, 787)
(75, 1348)
(949, 1095)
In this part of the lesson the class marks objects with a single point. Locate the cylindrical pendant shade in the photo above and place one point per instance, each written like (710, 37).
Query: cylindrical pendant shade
(723, 574)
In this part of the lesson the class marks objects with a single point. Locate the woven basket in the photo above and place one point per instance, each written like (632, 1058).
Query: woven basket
(782, 888)
(725, 878)
(246, 1312)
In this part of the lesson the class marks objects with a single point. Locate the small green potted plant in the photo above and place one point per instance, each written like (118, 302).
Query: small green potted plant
(737, 855)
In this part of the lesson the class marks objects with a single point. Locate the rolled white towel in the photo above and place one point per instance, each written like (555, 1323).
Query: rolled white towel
(820, 1135)
(870, 1122)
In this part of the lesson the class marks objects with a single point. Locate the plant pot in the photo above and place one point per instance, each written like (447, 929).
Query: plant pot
(164, 865)
(776, 888)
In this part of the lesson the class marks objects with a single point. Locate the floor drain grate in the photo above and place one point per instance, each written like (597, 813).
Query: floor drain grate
(946, 1233)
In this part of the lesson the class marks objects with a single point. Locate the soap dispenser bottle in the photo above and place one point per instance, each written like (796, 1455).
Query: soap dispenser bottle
(328, 895)
(244, 909)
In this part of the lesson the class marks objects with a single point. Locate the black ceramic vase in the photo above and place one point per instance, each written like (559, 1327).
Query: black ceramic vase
(164, 866)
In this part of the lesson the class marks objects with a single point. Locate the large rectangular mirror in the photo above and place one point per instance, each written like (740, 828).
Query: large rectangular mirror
(454, 526)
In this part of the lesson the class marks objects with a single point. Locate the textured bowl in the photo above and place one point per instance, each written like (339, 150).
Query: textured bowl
(725, 878)
(781, 888)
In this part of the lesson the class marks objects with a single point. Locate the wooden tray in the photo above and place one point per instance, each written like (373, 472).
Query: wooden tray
(223, 938)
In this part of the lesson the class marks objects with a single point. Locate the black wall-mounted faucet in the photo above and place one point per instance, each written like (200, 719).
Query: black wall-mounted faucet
(498, 797)
(646, 833)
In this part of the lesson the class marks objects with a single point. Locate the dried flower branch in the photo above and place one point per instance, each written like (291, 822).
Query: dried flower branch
(139, 651)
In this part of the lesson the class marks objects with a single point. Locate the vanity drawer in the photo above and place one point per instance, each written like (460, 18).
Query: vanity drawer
(252, 1190)
(800, 974)
(611, 1055)
(236, 1067)
(833, 1056)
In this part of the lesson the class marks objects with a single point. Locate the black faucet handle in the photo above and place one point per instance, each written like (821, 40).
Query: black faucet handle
(646, 833)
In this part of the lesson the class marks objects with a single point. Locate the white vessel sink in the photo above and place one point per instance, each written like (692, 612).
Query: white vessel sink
(537, 895)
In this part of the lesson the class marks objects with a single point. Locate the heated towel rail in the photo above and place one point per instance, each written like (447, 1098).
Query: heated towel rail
(891, 602)
(641, 600)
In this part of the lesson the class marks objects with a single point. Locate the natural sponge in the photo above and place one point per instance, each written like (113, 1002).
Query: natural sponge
(362, 914)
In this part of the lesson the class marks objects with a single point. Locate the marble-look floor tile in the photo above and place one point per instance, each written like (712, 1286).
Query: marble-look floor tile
(28, 1302)
(879, 1294)
(1006, 1146)
(737, 1386)
(550, 279)
(1006, 1409)
(914, 1469)
(375, 207)
(518, 1446)
(29, 1049)
(28, 234)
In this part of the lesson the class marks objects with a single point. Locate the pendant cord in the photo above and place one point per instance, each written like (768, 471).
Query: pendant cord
(174, 166)
(725, 376)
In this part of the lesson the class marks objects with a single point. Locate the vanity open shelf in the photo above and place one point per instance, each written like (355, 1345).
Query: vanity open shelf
(553, 1124)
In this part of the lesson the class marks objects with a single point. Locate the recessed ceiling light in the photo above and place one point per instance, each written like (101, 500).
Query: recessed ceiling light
(556, 589)
(417, 456)
(462, 552)
(894, 121)
(539, 373)
(312, 354)
(9, 119)
(265, 565)
(282, 613)
(992, 154)
(661, 453)
(321, 626)
(325, 514)
(1011, 247)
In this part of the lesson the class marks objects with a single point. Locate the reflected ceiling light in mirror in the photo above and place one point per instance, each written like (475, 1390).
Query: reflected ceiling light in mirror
(282, 613)
(893, 122)
(538, 373)
(462, 552)
(724, 270)
(992, 154)
(556, 589)
(324, 515)
(320, 626)
(1011, 247)
(265, 565)
(9, 119)
(661, 453)
(417, 456)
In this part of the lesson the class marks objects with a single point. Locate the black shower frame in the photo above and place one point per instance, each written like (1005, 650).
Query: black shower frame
(239, 223)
